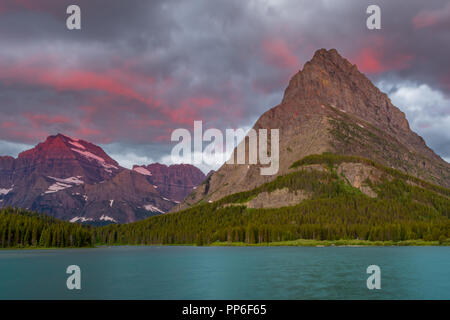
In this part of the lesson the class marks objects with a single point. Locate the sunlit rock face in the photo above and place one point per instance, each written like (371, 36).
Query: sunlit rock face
(330, 106)
(75, 180)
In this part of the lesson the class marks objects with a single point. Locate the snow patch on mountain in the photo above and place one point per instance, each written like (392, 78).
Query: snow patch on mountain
(111, 202)
(62, 184)
(58, 186)
(5, 191)
(107, 218)
(152, 208)
(70, 138)
(71, 180)
(80, 219)
(91, 156)
(78, 145)
(142, 170)
(174, 201)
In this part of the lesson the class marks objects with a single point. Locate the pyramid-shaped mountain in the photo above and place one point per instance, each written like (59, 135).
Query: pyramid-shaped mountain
(331, 107)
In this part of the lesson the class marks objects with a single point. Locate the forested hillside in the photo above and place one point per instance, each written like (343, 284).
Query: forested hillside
(21, 229)
(403, 208)
(387, 205)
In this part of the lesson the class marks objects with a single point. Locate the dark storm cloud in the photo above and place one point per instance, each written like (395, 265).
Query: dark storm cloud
(139, 69)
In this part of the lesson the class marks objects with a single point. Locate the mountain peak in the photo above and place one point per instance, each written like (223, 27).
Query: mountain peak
(326, 69)
(62, 156)
(63, 136)
(331, 80)
(175, 181)
(53, 145)
(330, 106)
(331, 54)
(332, 61)
(76, 180)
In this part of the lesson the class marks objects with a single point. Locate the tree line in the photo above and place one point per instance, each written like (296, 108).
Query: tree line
(335, 210)
(21, 229)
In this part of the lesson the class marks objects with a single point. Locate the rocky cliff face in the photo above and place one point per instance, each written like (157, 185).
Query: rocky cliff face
(174, 182)
(77, 181)
(64, 156)
(330, 106)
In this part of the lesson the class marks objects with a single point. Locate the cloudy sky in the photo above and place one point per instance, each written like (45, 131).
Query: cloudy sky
(139, 69)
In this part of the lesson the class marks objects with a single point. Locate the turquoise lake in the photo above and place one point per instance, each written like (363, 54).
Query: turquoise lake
(227, 273)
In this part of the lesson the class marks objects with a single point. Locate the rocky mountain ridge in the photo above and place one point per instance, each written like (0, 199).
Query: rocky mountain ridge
(330, 106)
(75, 180)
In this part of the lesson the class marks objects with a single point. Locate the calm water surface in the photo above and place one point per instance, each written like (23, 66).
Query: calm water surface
(227, 273)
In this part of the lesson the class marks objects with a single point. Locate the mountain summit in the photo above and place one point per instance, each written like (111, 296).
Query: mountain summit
(330, 106)
(61, 155)
(175, 181)
(76, 180)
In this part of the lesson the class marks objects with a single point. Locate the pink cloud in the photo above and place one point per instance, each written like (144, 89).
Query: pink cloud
(29, 5)
(376, 57)
(40, 120)
(428, 18)
(20, 132)
(189, 109)
(75, 80)
(114, 104)
(278, 54)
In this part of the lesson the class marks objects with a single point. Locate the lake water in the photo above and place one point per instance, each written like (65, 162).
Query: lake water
(227, 273)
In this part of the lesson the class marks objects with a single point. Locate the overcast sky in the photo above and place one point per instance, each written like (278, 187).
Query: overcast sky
(139, 69)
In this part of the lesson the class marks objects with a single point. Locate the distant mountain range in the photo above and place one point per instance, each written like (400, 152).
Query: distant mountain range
(75, 180)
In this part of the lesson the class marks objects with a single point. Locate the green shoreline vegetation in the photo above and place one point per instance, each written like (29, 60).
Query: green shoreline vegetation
(338, 243)
(407, 211)
(313, 243)
(292, 243)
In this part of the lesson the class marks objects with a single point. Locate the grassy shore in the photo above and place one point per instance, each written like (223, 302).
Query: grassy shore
(328, 243)
(44, 248)
(293, 243)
